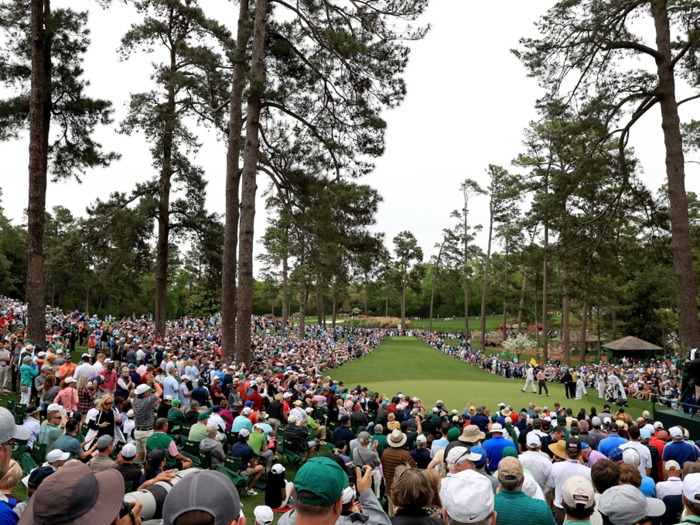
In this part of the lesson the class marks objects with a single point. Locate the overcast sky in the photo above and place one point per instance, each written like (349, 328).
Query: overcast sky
(467, 105)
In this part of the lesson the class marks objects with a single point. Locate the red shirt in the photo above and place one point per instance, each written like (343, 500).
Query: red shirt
(659, 445)
(257, 401)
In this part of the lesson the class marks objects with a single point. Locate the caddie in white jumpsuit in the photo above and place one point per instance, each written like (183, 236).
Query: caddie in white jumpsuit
(580, 387)
(530, 379)
(616, 385)
(600, 383)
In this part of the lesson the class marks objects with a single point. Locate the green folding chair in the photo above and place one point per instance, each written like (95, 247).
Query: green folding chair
(192, 448)
(11, 405)
(204, 460)
(39, 452)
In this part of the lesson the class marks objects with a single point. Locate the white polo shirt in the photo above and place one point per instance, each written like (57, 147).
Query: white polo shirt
(644, 455)
(670, 487)
(561, 472)
(539, 467)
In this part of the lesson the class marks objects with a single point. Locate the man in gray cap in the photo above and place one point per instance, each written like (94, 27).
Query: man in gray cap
(626, 505)
(204, 497)
(103, 460)
(9, 432)
(144, 407)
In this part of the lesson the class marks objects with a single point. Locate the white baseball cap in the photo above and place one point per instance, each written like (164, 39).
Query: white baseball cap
(631, 457)
(435, 409)
(658, 425)
(278, 468)
(8, 428)
(577, 490)
(691, 487)
(141, 389)
(533, 440)
(421, 439)
(454, 412)
(263, 515)
(465, 509)
(461, 453)
(286, 395)
(244, 432)
(129, 450)
(496, 428)
(168, 398)
(676, 433)
(56, 455)
(71, 379)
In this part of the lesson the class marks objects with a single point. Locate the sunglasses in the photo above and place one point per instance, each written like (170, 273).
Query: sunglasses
(408, 469)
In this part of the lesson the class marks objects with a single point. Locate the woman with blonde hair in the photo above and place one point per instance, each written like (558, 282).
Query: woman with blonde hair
(341, 409)
(392, 424)
(10, 481)
(104, 420)
(434, 508)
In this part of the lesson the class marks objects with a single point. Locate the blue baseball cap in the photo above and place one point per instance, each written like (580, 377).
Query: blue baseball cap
(615, 454)
(484, 456)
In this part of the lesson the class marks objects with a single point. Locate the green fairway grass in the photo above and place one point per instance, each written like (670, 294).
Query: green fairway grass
(411, 366)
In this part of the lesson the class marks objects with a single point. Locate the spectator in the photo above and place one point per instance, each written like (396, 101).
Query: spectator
(469, 500)
(394, 456)
(78, 496)
(435, 506)
(672, 486)
(198, 432)
(626, 505)
(32, 481)
(144, 407)
(679, 450)
(258, 442)
(658, 441)
(604, 474)
(161, 440)
(421, 454)
(9, 481)
(343, 432)
(299, 434)
(646, 484)
(612, 441)
(263, 515)
(31, 421)
(318, 495)
(68, 443)
(494, 446)
(691, 499)
(578, 498)
(249, 466)
(103, 460)
(645, 463)
(212, 445)
(411, 494)
(535, 461)
(511, 503)
(645, 438)
(125, 465)
(203, 497)
(570, 452)
(51, 430)
(278, 490)
(242, 421)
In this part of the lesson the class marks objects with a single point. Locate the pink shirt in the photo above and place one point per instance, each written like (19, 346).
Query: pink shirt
(68, 397)
(110, 382)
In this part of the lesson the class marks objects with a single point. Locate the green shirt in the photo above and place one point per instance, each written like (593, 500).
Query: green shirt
(198, 432)
(175, 416)
(48, 434)
(512, 505)
(161, 440)
(256, 441)
(381, 440)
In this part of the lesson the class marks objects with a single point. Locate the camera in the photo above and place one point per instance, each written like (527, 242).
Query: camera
(126, 509)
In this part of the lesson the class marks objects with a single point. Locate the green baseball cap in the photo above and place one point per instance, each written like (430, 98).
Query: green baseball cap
(453, 434)
(202, 416)
(176, 402)
(323, 477)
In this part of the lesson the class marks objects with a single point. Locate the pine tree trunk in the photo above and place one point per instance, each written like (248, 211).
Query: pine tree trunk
(87, 295)
(466, 274)
(249, 186)
(584, 317)
(432, 291)
(39, 121)
(686, 292)
(163, 243)
(403, 302)
(522, 303)
(303, 298)
(565, 315)
(598, 330)
(386, 307)
(537, 324)
(233, 182)
(285, 291)
(545, 327)
(319, 299)
(505, 296)
(335, 309)
(486, 281)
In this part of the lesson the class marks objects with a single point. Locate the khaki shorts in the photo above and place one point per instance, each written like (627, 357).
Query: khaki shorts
(91, 351)
(141, 436)
(248, 472)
